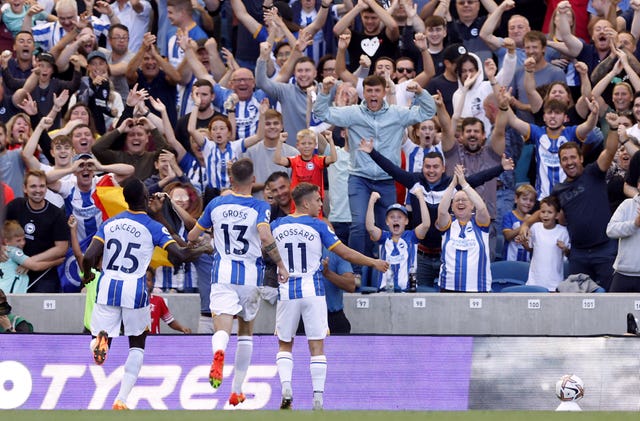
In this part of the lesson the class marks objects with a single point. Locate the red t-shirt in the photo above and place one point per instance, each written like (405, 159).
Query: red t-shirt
(7, 192)
(307, 172)
(159, 310)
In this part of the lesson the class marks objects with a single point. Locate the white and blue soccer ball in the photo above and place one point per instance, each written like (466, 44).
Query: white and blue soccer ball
(570, 388)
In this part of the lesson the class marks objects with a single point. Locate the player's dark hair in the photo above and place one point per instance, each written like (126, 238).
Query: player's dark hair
(301, 191)
(434, 154)
(551, 201)
(242, 171)
(472, 121)
(555, 105)
(116, 26)
(202, 82)
(304, 59)
(374, 80)
(570, 145)
(35, 173)
(135, 193)
(276, 175)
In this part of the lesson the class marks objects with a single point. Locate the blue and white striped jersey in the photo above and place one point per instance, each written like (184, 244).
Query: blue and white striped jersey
(129, 239)
(465, 257)
(300, 240)
(218, 161)
(247, 112)
(238, 256)
(81, 205)
(49, 34)
(550, 172)
(401, 257)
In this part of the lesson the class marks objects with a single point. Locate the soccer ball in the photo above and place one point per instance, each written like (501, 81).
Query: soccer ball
(570, 388)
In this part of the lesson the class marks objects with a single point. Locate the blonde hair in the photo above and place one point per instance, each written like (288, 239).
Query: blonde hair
(306, 133)
(12, 229)
(526, 189)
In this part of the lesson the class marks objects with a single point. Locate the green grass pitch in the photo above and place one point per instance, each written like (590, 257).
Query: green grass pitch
(312, 416)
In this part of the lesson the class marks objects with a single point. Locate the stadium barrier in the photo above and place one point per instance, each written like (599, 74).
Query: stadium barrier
(407, 314)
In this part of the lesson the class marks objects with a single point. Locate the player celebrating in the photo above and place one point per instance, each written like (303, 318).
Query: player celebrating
(125, 243)
(240, 225)
(300, 238)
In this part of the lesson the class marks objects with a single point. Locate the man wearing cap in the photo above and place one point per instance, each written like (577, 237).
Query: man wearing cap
(45, 228)
(42, 85)
(78, 193)
(398, 247)
(447, 82)
(95, 90)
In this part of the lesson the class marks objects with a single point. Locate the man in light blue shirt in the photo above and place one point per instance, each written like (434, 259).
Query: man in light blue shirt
(376, 120)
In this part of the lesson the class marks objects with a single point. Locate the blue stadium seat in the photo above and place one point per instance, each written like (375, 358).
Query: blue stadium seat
(508, 273)
(424, 288)
(524, 288)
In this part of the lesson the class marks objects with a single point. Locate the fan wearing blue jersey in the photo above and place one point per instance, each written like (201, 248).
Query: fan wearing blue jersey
(125, 244)
(465, 239)
(548, 138)
(77, 194)
(397, 246)
(218, 149)
(514, 243)
(301, 238)
(240, 232)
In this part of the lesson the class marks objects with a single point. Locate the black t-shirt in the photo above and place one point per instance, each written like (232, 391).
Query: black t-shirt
(374, 46)
(586, 207)
(42, 228)
(181, 128)
(446, 88)
(469, 36)
(438, 62)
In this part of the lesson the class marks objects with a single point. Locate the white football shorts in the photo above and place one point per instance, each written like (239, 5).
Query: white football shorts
(109, 319)
(237, 300)
(314, 315)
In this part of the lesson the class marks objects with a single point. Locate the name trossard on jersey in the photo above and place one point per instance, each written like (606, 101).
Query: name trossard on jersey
(300, 241)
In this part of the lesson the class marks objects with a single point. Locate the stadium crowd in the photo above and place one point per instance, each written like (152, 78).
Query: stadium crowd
(518, 131)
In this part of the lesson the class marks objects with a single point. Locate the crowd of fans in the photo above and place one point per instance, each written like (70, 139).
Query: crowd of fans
(479, 109)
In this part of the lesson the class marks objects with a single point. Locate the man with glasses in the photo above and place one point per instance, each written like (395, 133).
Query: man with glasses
(134, 15)
(242, 84)
(466, 28)
(119, 57)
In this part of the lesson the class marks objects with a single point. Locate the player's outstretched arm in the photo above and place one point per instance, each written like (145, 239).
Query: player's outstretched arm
(359, 258)
(178, 255)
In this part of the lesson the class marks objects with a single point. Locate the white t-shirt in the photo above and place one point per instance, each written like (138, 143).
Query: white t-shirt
(546, 268)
